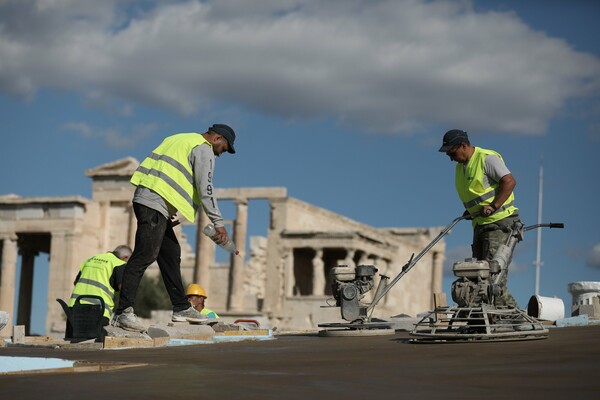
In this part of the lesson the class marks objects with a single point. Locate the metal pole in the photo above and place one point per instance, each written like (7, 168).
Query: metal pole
(413, 260)
(538, 258)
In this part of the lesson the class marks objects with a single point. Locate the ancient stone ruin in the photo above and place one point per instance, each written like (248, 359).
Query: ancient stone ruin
(281, 277)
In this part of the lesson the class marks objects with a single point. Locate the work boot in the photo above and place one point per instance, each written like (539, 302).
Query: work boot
(127, 320)
(189, 315)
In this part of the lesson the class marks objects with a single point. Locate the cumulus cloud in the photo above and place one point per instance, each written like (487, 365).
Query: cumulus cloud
(593, 257)
(112, 137)
(384, 66)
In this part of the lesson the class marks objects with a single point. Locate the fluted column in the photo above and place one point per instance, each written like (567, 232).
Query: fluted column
(236, 295)
(7, 285)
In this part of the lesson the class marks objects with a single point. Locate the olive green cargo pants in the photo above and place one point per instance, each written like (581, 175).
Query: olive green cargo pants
(486, 240)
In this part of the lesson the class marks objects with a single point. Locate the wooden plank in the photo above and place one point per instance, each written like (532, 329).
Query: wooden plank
(194, 336)
(439, 300)
(161, 341)
(46, 340)
(111, 342)
(18, 334)
(255, 332)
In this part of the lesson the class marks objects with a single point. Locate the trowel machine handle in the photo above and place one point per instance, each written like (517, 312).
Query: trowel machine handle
(413, 260)
(550, 225)
(504, 253)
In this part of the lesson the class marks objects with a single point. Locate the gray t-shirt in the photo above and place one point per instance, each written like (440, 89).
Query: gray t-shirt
(494, 169)
(202, 161)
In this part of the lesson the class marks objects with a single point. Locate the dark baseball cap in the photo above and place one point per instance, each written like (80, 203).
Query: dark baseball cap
(227, 133)
(452, 138)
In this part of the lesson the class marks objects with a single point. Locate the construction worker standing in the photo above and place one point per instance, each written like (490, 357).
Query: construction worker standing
(485, 187)
(177, 176)
(101, 275)
(197, 296)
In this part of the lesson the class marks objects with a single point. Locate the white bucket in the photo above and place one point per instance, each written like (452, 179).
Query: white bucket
(546, 308)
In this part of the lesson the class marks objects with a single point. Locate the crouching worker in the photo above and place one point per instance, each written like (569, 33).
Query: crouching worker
(196, 295)
(101, 275)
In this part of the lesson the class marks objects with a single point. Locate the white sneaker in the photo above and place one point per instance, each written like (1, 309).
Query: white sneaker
(189, 315)
(128, 321)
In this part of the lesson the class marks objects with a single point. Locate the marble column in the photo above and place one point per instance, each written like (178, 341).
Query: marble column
(63, 267)
(288, 280)
(104, 224)
(236, 295)
(437, 272)
(132, 227)
(7, 285)
(26, 288)
(205, 254)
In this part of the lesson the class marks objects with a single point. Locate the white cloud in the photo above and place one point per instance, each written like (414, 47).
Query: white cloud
(593, 257)
(80, 128)
(382, 66)
(113, 137)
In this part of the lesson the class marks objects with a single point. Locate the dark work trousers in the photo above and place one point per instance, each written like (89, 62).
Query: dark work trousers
(154, 241)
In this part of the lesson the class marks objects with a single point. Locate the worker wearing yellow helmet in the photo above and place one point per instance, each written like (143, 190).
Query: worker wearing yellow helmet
(196, 296)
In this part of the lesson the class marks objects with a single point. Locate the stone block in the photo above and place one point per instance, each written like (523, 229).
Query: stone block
(591, 310)
(113, 331)
(581, 320)
(181, 330)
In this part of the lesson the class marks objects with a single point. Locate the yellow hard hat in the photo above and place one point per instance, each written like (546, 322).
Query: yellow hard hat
(195, 289)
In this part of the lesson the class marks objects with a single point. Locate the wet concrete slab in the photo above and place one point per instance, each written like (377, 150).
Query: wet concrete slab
(310, 367)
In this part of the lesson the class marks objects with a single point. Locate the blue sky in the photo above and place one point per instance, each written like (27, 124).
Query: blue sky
(342, 102)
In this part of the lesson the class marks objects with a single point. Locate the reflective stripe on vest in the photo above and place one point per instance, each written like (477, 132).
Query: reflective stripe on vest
(95, 280)
(475, 192)
(167, 171)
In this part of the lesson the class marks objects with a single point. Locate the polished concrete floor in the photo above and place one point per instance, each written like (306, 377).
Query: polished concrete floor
(564, 366)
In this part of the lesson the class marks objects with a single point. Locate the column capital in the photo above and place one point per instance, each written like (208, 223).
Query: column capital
(12, 236)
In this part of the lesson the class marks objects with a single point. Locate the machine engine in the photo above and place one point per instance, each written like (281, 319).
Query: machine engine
(471, 287)
(349, 287)
(478, 280)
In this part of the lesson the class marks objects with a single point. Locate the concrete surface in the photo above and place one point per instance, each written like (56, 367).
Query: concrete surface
(310, 367)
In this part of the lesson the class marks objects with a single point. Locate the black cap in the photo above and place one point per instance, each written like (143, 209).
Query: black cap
(452, 138)
(227, 133)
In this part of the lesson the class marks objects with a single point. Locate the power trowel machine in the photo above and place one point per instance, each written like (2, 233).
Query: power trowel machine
(478, 315)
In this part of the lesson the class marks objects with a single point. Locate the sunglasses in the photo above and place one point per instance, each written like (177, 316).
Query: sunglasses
(453, 150)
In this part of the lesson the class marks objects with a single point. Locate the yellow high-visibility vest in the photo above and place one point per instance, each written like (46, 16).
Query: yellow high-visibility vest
(474, 193)
(95, 280)
(168, 172)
